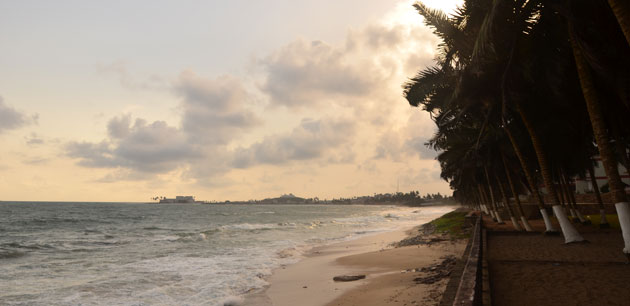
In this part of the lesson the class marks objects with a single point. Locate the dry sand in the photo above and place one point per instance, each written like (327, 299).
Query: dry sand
(391, 286)
(310, 281)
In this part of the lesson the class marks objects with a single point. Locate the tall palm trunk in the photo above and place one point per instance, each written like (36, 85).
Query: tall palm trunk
(561, 196)
(568, 230)
(528, 174)
(621, 9)
(506, 200)
(488, 201)
(564, 196)
(530, 181)
(603, 222)
(494, 206)
(571, 195)
(482, 199)
(526, 224)
(606, 151)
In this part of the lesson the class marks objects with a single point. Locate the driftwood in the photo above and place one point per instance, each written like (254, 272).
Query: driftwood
(348, 278)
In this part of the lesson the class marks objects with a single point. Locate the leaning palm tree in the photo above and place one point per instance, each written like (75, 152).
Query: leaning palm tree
(580, 36)
(515, 194)
(502, 47)
(621, 9)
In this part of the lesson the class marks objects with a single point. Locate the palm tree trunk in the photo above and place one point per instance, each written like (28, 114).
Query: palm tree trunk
(563, 201)
(494, 206)
(603, 222)
(530, 181)
(571, 195)
(526, 170)
(506, 200)
(621, 9)
(564, 196)
(480, 200)
(606, 151)
(568, 230)
(526, 224)
(484, 199)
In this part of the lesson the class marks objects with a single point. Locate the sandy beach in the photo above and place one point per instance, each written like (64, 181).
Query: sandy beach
(390, 273)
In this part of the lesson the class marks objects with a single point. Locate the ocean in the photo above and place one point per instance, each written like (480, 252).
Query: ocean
(60, 253)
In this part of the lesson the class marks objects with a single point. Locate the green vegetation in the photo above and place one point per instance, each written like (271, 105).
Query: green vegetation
(453, 224)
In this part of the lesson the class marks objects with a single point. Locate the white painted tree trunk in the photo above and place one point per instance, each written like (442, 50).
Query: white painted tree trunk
(602, 216)
(623, 211)
(492, 214)
(526, 224)
(485, 209)
(548, 225)
(499, 220)
(515, 224)
(568, 230)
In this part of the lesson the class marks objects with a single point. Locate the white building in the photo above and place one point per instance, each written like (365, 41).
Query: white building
(179, 199)
(585, 186)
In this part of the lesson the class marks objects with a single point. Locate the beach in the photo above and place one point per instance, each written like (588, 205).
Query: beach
(390, 272)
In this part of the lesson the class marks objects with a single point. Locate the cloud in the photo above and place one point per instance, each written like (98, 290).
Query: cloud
(308, 74)
(310, 140)
(36, 161)
(214, 110)
(11, 119)
(395, 148)
(119, 127)
(418, 146)
(33, 140)
(346, 98)
(408, 141)
(144, 147)
(362, 75)
(128, 81)
(214, 113)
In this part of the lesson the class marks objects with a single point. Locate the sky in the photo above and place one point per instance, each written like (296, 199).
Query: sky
(223, 100)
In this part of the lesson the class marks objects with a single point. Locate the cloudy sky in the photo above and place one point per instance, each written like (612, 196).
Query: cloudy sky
(126, 100)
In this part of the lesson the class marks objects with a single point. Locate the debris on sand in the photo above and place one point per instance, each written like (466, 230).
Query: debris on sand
(437, 271)
(348, 278)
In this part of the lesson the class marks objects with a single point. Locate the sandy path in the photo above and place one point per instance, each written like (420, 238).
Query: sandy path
(533, 269)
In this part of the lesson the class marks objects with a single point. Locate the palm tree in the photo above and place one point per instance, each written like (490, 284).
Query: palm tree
(579, 37)
(603, 222)
(526, 224)
(621, 9)
(493, 54)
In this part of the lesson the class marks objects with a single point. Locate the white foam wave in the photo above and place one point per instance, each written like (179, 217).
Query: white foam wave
(256, 226)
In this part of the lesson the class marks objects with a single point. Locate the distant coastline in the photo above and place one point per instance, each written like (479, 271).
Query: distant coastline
(412, 198)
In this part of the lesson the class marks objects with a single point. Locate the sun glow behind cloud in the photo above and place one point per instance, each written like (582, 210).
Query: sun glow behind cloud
(402, 14)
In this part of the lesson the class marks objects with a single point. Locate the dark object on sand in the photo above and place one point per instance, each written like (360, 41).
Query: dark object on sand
(437, 271)
(348, 278)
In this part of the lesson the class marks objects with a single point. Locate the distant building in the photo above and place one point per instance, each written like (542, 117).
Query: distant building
(179, 199)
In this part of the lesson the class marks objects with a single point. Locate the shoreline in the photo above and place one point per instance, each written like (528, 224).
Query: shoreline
(308, 282)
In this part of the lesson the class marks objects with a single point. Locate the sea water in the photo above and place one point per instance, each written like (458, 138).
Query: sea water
(167, 254)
